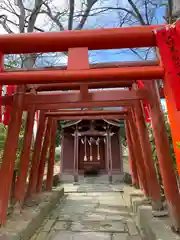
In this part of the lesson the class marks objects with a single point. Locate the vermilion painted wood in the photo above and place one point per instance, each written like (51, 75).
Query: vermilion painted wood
(9, 155)
(174, 119)
(50, 172)
(76, 156)
(138, 153)
(132, 159)
(164, 155)
(114, 96)
(74, 96)
(98, 117)
(92, 66)
(83, 63)
(7, 100)
(36, 154)
(20, 186)
(151, 175)
(83, 76)
(43, 155)
(93, 104)
(59, 113)
(129, 37)
(1, 70)
(109, 145)
(75, 86)
(9, 92)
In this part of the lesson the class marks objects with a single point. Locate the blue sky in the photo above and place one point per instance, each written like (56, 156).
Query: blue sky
(111, 19)
(103, 20)
(108, 20)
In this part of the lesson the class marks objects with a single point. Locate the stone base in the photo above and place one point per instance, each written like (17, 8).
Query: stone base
(24, 225)
(135, 194)
(102, 178)
(154, 228)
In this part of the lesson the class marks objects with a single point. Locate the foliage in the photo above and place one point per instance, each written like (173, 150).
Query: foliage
(59, 132)
(4, 129)
(155, 152)
(169, 137)
(178, 144)
(3, 135)
(123, 133)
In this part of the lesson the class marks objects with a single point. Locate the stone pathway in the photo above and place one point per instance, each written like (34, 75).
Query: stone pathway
(90, 211)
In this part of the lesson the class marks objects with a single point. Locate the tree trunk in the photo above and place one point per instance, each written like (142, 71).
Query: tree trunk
(176, 8)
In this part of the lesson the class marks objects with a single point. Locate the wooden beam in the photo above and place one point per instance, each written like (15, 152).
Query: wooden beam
(82, 63)
(95, 96)
(95, 39)
(92, 66)
(86, 113)
(70, 100)
(83, 76)
(6, 100)
(110, 117)
(83, 104)
(75, 86)
(71, 105)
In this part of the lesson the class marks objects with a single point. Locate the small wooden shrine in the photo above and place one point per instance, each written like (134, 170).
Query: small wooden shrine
(91, 147)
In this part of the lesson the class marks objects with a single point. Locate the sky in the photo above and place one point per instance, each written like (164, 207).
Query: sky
(103, 20)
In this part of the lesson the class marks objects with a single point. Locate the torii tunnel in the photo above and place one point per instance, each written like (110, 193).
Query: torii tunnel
(40, 90)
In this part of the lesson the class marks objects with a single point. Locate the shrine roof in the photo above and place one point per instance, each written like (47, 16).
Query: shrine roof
(114, 122)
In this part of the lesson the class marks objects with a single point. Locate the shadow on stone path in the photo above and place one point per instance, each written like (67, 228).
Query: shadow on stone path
(90, 211)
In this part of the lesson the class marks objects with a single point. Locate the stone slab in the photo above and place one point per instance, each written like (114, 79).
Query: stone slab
(98, 226)
(92, 211)
(121, 236)
(25, 225)
(82, 236)
(132, 228)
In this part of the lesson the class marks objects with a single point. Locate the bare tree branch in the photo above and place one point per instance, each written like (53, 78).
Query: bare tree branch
(21, 15)
(90, 4)
(3, 22)
(146, 12)
(34, 14)
(71, 14)
(138, 14)
(53, 18)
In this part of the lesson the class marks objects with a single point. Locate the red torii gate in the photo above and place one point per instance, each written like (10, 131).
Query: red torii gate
(77, 43)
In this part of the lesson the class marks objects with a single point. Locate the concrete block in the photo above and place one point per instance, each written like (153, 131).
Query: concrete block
(25, 228)
(137, 202)
(144, 220)
(135, 194)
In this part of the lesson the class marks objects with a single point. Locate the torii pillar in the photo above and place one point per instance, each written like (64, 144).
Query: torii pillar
(50, 172)
(20, 187)
(36, 154)
(152, 181)
(138, 153)
(132, 159)
(164, 154)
